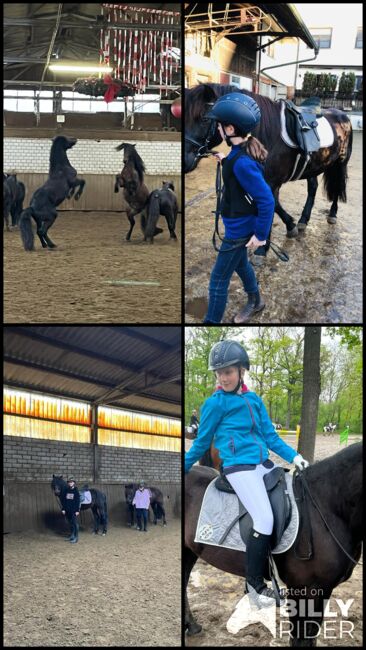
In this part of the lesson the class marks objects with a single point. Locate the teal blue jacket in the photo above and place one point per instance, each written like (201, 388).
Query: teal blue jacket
(240, 428)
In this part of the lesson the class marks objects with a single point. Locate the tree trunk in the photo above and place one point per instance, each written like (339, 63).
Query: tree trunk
(311, 392)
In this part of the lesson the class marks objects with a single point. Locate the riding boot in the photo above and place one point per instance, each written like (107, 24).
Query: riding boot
(254, 304)
(257, 559)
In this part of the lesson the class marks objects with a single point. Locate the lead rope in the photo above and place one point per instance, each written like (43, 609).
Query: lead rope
(298, 473)
(281, 254)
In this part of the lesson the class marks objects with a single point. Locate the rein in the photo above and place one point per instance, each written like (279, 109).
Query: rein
(304, 486)
(244, 240)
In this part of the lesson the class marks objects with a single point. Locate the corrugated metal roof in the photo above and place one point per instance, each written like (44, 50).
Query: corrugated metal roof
(132, 367)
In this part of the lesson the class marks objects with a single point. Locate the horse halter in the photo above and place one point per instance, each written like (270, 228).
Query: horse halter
(202, 149)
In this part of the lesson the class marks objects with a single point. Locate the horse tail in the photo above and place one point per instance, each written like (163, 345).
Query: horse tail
(335, 177)
(153, 214)
(26, 231)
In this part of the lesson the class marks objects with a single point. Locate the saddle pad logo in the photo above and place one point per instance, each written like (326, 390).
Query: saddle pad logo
(206, 531)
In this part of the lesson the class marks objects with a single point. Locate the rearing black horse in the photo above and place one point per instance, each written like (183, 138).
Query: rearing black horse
(61, 184)
(156, 502)
(201, 135)
(98, 504)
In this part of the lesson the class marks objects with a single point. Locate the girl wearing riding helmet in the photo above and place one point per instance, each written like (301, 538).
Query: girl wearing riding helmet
(237, 420)
(247, 206)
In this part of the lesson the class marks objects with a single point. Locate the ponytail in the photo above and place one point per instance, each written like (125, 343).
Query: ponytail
(254, 149)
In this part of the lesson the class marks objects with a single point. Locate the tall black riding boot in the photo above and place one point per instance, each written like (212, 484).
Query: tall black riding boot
(256, 563)
(254, 305)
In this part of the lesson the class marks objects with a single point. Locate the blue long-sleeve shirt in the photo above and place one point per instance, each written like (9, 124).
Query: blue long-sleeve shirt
(249, 174)
(240, 428)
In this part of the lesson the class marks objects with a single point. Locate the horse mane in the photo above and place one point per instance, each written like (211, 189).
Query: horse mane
(199, 96)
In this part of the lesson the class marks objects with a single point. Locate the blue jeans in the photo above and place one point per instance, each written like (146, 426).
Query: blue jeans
(226, 264)
(141, 512)
(73, 521)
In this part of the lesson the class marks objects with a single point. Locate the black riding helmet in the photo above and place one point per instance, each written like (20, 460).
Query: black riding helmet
(228, 353)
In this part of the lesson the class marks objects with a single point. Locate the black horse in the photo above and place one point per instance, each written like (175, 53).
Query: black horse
(98, 504)
(335, 484)
(161, 202)
(135, 192)
(156, 502)
(201, 135)
(61, 184)
(14, 193)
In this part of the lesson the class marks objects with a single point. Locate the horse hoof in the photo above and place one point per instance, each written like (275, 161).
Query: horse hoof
(103, 534)
(301, 225)
(332, 219)
(293, 232)
(193, 628)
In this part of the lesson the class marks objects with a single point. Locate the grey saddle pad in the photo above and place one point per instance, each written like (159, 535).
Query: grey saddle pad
(219, 509)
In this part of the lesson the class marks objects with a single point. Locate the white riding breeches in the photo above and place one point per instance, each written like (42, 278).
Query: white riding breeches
(250, 489)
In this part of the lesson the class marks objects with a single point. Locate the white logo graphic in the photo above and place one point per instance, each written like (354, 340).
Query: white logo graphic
(206, 532)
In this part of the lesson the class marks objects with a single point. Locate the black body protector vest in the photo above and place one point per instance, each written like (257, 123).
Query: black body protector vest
(235, 201)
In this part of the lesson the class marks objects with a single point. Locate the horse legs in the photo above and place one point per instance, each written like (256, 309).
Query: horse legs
(81, 183)
(171, 224)
(130, 216)
(191, 626)
(96, 520)
(46, 224)
(305, 216)
(305, 626)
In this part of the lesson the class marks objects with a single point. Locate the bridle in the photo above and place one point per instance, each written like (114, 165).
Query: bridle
(202, 150)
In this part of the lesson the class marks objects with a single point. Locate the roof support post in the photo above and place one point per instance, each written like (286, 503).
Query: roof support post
(94, 441)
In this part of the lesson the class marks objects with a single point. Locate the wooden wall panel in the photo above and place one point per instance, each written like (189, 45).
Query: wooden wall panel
(99, 191)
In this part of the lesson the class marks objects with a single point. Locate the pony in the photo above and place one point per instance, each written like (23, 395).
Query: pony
(156, 502)
(61, 183)
(98, 504)
(135, 192)
(14, 193)
(201, 135)
(163, 202)
(335, 488)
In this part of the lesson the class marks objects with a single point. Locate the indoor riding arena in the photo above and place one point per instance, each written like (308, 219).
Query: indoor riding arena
(213, 594)
(93, 274)
(101, 405)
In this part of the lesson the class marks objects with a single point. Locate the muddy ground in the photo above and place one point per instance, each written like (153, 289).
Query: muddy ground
(214, 594)
(72, 283)
(322, 282)
(123, 589)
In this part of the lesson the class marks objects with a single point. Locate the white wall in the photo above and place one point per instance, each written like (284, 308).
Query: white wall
(89, 156)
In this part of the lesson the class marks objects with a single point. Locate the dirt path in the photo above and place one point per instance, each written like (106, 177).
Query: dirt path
(72, 283)
(214, 594)
(322, 282)
(120, 590)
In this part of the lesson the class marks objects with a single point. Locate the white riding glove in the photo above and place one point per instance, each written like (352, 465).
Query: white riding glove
(300, 462)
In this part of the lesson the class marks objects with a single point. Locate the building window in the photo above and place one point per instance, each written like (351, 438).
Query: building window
(322, 37)
(358, 43)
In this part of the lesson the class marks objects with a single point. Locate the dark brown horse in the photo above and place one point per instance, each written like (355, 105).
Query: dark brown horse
(135, 192)
(201, 135)
(335, 484)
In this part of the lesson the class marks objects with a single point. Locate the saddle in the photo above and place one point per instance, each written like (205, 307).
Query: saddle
(275, 484)
(85, 497)
(301, 125)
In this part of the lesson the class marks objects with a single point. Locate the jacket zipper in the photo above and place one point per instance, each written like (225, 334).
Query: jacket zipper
(251, 430)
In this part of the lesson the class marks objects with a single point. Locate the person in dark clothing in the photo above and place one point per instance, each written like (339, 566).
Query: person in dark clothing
(194, 422)
(70, 501)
